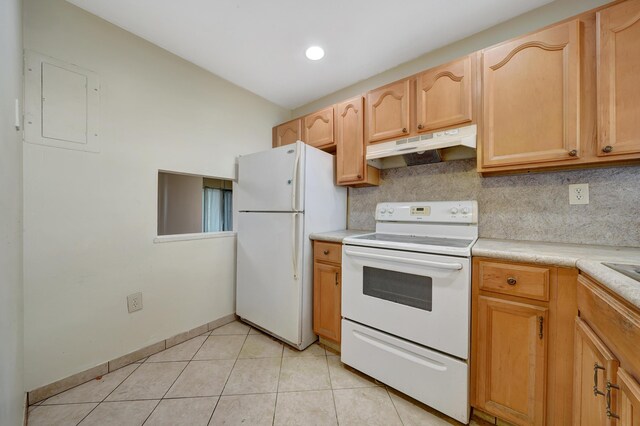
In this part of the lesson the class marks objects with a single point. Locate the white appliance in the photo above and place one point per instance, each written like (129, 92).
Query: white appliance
(452, 144)
(282, 196)
(406, 301)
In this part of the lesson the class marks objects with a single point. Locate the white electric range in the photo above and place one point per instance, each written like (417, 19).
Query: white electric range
(406, 297)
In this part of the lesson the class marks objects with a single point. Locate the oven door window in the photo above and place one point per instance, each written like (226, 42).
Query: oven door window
(398, 287)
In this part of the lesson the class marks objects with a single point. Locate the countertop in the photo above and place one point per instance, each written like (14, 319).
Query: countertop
(587, 258)
(337, 236)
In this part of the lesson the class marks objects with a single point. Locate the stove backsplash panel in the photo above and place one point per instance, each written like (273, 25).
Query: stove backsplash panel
(531, 207)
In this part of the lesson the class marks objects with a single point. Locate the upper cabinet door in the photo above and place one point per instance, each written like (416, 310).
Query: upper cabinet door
(619, 79)
(318, 129)
(388, 111)
(444, 95)
(350, 158)
(531, 94)
(287, 133)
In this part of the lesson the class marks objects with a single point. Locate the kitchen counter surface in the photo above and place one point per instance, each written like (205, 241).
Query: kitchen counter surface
(337, 236)
(587, 258)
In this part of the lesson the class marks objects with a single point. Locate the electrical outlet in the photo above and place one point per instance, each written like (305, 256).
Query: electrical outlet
(579, 193)
(134, 302)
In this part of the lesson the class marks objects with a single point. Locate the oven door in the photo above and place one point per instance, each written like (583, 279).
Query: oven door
(420, 297)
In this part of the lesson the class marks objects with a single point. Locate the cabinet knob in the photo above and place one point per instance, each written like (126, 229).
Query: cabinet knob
(573, 153)
(326, 252)
(420, 127)
(404, 130)
(607, 149)
(359, 176)
(511, 281)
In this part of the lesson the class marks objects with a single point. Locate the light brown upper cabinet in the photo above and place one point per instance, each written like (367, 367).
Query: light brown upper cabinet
(318, 129)
(287, 133)
(619, 79)
(531, 98)
(444, 95)
(350, 156)
(388, 111)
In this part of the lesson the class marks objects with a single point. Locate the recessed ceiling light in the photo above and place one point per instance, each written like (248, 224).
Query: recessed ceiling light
(314, 53)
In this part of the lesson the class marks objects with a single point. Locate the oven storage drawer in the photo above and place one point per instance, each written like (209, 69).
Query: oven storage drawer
(531, 282)
(438, 380)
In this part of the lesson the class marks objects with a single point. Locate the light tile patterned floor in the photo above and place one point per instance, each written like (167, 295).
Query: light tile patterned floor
(234, 375)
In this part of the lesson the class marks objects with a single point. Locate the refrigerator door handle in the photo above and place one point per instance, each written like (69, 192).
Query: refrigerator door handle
(294, 186)
(294, 245)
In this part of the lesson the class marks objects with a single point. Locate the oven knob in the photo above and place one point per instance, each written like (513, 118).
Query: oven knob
(465, 210)
(383, 210)
(391, 210)
(454, 210)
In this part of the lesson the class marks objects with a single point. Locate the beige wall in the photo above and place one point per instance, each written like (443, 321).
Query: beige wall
(531, 21)
(179, 204)
(90, 219)
(11, 291)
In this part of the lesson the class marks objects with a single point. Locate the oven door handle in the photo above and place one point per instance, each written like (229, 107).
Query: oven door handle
(428, 263)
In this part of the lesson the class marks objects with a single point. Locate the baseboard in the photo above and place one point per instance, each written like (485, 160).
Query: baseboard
(25, 416)
(74, 380)
(331, 346)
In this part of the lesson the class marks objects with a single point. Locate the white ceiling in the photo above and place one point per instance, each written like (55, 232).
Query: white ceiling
(260, 44)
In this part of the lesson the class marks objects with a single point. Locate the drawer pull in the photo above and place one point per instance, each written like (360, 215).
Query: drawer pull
(607, 149)
(611, 414)
(573, 153)
(404, 130)
(596, 367)
(512, 281)
(326, 252)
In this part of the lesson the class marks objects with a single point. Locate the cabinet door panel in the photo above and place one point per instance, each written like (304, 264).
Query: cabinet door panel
(512, 359)
(594, 365)
(619, 79)
(444, 95)
(326, 301)
(318, 128)
(628, 399)
(287, 133)
(351, 161)
(531, 98)
(388, 111)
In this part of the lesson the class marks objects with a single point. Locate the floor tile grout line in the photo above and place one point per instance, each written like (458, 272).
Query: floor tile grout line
(275, 407)
(113, 390)
(333, 395)
(386, 389)
(228, 377)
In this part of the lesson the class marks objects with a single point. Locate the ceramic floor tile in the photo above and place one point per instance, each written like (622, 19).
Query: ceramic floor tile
(149, 381)
(59, 415)
(181, 352)
(257, 375)
(183, 411)
(220, 347)
(95, 390)
(260, 346)
(254, 410)
(202, 378)
(412, 413)
(313, 350)
(305, 408)
(304, 373)
(235, 327)
(124, 413)
(365, 406)
(345, 378)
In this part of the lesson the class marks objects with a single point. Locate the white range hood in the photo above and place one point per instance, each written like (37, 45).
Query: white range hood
(427, 148)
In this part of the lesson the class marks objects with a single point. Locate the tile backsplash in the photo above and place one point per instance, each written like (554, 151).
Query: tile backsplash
(531, 206)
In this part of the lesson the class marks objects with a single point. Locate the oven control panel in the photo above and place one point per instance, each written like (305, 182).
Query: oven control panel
(429, 211)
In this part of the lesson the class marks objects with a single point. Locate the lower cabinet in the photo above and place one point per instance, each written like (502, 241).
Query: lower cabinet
(522, 341)
(607, 358)
(327, 290)
(512, 358)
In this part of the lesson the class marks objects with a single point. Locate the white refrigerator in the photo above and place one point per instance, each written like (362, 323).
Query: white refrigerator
(283, 195)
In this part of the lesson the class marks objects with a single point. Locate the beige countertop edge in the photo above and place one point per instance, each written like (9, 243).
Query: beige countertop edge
(587, 258)
(337, 236)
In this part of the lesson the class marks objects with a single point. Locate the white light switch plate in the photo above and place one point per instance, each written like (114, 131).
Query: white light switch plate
(134, 302)
(579, 193)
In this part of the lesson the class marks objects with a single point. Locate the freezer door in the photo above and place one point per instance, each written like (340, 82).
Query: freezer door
(273, 180)
(269, 272)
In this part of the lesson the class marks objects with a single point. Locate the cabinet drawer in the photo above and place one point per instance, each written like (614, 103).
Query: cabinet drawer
(327, 252)
(531, 282)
